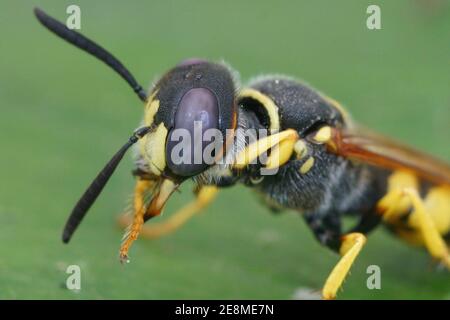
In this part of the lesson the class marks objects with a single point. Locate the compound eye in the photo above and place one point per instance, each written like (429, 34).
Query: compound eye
(197, 112)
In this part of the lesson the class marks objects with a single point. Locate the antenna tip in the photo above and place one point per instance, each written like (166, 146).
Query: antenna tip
(65, 237)
(38, 12)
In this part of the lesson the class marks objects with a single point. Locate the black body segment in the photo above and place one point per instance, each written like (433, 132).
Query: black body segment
(333, 186)
(299, 106)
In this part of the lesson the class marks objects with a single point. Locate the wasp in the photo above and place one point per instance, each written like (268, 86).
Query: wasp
(323, 164)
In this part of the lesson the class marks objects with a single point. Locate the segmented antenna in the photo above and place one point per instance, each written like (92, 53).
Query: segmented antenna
(91, 47)
(96, 187)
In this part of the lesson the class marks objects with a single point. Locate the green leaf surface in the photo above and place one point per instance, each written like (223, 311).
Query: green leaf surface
(63, 114)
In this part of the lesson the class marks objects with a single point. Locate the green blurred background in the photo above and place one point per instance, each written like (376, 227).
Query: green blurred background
(63, 114)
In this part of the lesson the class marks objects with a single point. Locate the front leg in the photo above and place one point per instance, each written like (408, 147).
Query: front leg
(203, 197)
(139, 209)
(349, 248)
(327, 230)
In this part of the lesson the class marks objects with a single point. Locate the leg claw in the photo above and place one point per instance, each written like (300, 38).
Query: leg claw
(124, 258)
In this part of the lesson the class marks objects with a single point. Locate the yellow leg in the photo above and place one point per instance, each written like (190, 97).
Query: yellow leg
(204, 196)
(351, 246)
(429, 216)
(437, 203)
(282, 145)
(393, 206)
(433, 240)
(138, 218)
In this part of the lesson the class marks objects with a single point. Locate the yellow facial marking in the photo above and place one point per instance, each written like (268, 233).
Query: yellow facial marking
(150, 109)
(153, 147)
(269, 105)
(307, 165)
(300, 149)
(323, 135)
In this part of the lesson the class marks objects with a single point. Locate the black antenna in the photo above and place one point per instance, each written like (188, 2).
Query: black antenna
(96, 187)
(91, 47)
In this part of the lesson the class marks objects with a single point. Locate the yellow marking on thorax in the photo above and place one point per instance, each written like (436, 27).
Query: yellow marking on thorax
(307, 165)
(323, 135)
(153, 147)
(269, 105)
(300, 149)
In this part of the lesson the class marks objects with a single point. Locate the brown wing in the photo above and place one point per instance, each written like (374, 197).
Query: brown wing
(374, 149)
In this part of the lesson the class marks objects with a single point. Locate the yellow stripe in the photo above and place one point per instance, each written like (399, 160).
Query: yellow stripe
(153, 148)
(151, 109)
(268, 104)
(307, 165)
